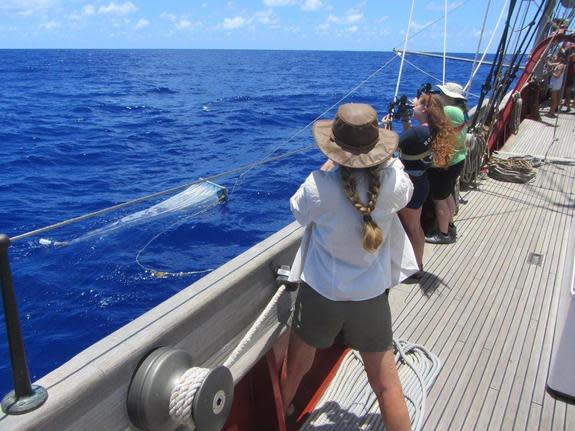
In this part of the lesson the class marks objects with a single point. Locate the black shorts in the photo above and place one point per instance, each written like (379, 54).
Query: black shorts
(420, 191)
(442, 181)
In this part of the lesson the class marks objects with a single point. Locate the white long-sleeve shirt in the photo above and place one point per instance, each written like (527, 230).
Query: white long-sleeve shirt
(331, 258)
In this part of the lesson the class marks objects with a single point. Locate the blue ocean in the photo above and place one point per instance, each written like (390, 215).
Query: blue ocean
(83, 130)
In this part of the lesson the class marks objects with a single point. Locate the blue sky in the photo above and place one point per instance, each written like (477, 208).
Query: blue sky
(241, 24)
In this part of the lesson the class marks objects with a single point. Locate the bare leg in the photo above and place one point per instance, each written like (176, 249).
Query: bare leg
(452, 207)
(384, 380)
(443, 214)
(298, 361)
(411, 221)
(554, 102)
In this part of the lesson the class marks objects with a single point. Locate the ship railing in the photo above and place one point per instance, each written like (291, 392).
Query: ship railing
(25, 397)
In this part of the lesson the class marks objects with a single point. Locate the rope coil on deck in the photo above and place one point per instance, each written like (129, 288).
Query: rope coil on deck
(185, 391)
(514, 169)
(349, 401)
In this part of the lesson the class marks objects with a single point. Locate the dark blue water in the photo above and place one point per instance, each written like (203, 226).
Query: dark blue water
(83, 130)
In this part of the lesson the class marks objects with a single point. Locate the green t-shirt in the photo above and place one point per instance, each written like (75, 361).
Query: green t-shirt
(457, 118)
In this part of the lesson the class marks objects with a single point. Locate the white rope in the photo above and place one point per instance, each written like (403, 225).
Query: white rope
(444, 43)
(351, 393)
(184, 392)
(182, 397)
(422, 71)
(255, 327)
(404, 48)
(468, 85)
(307, 126)
(478, 46)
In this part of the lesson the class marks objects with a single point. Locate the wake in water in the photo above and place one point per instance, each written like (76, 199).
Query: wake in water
(198, 196)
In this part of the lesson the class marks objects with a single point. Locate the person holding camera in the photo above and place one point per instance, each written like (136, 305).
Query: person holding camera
(429, 142)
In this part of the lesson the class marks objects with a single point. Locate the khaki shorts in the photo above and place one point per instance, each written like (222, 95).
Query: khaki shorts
(363, 325)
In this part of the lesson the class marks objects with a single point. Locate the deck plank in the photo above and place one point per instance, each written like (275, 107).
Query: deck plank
(518, 361)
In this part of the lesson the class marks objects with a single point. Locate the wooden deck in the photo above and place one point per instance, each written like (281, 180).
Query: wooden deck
(484, 309)
(489, 311)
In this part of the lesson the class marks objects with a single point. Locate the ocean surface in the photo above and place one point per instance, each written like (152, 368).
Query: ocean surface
(81, 130)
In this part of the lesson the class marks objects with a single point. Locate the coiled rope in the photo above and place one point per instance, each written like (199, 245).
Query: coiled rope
(351, 393)
(514, 169)
(516, 112)
(184, 392)
(477, 148)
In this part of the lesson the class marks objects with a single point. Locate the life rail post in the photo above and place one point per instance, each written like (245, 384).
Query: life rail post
(25, 397)
(500, 128)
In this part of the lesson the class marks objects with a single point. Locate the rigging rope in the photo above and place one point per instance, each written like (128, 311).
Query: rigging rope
(474, 72)
(444, 42)
(403, 52)
(468, 85)
(426, 26)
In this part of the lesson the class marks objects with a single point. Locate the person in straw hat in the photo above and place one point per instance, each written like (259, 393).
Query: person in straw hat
(444, 180)
(353, 250)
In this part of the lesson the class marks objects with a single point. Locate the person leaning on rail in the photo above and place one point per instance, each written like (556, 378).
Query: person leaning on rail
(443, 180)
(431, 141)
(353, 251)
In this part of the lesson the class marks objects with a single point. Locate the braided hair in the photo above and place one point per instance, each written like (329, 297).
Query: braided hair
(372, 235)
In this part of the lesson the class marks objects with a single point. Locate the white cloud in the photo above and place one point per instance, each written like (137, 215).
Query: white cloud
(50, 25)
(25, 7)
(169, 16)
(142, 23)
(278, 3)
(268, 18)
(311, 5)
(180, 23)
(351, 17)
(87, 10)
(118, 9)
(183, 24)
(234, 23)
(352, 29)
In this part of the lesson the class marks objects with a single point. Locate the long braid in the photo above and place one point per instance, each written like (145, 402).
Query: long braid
(372, 235)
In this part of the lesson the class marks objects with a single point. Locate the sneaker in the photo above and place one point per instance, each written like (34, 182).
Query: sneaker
(452, 230)
(440, 238)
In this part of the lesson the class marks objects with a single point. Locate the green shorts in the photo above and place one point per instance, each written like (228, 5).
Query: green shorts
(363, 325)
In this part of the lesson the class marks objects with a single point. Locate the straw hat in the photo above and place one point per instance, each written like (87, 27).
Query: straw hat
(453, 90)
(353, 138)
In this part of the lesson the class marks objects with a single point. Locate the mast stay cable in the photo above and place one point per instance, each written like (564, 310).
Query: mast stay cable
(472, 74)
(404, 48)
(444, 41)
